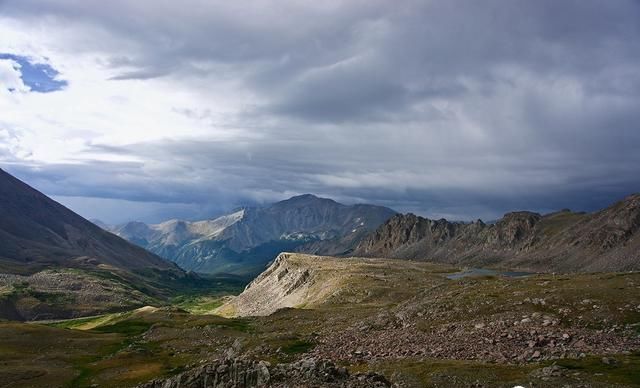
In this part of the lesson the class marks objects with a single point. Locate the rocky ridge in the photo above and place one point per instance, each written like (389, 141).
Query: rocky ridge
(608, 240)
(288, 282)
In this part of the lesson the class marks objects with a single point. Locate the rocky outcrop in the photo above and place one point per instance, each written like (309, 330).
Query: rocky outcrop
(288, 282)
(608, 240)
(243, 373)
(219, 373)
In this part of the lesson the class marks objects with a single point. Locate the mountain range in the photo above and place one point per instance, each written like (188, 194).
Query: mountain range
(54, 263)
(565, 241)
(244, 241)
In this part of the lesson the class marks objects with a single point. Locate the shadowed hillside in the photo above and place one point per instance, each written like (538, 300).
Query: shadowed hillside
(54, 263)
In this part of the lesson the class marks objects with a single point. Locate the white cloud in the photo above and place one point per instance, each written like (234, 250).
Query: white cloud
(10, 77)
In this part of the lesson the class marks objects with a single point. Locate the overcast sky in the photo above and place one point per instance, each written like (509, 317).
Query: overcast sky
(153, 109)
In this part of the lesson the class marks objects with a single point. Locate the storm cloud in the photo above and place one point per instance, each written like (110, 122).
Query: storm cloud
(457, 109)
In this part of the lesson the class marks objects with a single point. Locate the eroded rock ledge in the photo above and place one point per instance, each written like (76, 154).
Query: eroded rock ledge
(245, 373)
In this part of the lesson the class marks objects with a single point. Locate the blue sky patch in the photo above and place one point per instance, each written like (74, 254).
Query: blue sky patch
(40, 77)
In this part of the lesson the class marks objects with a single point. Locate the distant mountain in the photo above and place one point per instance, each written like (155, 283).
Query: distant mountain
(608, 240)
(100, 223)
(44, 245)
(244, 241)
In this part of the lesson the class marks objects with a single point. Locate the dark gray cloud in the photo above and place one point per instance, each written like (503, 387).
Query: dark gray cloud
(460, 108)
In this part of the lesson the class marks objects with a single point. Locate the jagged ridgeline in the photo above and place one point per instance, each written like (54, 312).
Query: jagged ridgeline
(566, 241)
(244, 241)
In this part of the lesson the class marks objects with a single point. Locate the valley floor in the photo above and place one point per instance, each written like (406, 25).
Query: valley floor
(378, 323)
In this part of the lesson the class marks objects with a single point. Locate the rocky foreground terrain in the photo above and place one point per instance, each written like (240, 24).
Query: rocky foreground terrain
(409, 311)
(565, 241)
(314, 321)
(504, 320)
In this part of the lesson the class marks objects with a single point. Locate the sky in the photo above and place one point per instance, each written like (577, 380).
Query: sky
(154, 109)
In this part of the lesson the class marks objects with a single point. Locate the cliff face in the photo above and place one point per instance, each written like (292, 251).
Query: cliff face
(563, 241)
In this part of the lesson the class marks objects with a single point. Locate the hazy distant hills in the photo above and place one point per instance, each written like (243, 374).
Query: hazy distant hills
(244, 241)
(608, 240)
(54, 263)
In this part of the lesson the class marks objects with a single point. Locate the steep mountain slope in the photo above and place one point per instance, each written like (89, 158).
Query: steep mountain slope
(244, 241)
(38, 236)
(608, 240)
(37, 232)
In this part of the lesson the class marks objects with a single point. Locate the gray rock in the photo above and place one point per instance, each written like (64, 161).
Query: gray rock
(550, 371)
(243, 373)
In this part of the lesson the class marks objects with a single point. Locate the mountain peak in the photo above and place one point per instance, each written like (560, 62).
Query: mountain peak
(244, 241)
(304, 199)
